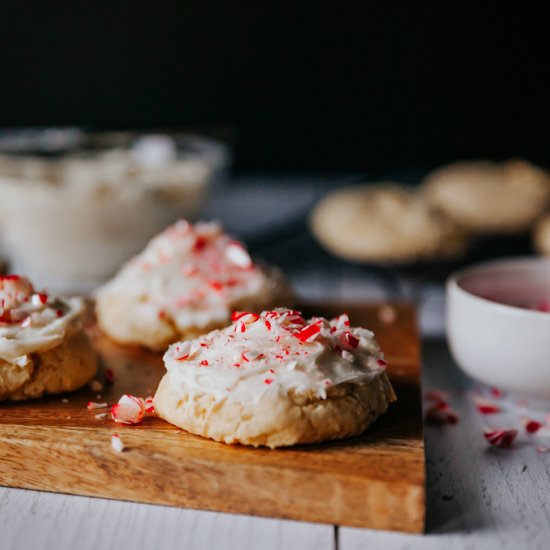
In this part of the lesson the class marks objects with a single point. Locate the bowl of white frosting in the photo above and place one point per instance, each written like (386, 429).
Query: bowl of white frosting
(498, 324)
(74, 206)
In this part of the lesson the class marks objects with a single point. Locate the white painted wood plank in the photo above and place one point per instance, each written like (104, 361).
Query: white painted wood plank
(478, 497)
(36, 520)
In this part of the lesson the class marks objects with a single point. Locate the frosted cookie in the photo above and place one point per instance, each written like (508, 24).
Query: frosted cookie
(489, 197)
(186, 282)
(383, 223)
(275, 380)
(43, 347)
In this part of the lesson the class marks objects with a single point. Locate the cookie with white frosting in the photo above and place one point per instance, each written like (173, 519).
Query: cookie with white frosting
(185, 283)
(384, 223)
(43, 346)
(276, 379)
(489, 197)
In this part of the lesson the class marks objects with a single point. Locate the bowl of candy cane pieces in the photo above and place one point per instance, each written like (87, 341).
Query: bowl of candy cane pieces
(498, 324)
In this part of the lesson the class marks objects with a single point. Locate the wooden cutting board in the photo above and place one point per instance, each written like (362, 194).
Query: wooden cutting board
(375, 481)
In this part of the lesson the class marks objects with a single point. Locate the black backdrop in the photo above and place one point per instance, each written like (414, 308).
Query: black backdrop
(312, 85)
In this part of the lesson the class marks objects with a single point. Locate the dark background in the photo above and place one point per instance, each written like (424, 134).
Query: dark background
(304, 85)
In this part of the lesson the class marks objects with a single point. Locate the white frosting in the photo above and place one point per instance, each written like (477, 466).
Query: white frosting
(195, 274)
(276, 352)
(30, 321)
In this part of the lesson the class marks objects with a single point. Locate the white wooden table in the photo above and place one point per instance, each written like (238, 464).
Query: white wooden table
(476, 497)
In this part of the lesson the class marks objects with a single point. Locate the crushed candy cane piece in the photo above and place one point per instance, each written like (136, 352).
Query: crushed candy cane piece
(93, 405)
(438, 396)
(149, 405)
(542, 449)
(309, 333)
(128, 410)
(183, 351)
(236, 315)
(26, 322)
(503, 439)
(117, 443)
(441, 414)
(531, 426)
(39, 299)
(101, 416)
(484, 406)
(341, 322)
(240, 326)
(237, 255)
(349, 340)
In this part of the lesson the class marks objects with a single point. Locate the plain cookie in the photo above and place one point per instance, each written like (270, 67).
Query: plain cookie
(384, 224)
(488, 197)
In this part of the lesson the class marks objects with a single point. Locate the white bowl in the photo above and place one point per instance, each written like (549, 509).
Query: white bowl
(70, 221)
(493, 334)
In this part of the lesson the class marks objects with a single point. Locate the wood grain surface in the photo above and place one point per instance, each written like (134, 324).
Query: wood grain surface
(376, 480)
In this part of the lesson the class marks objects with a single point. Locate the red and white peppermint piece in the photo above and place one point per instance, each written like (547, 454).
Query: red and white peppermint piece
(441, 414)
(341, 322)
(39, 299)
(149, 405)
(243, 318)
(531, 426)
(349, 340)
(503, 439)
(496, 392)
(128, 410)
(237, 255)
(26, 322)
(240, 326)
(484, 406)
(250, 318)
(310, 332)
(182, 351)
(200, 244)
(438, 396)
(116, 443)
(292, 317)
(236, 315)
